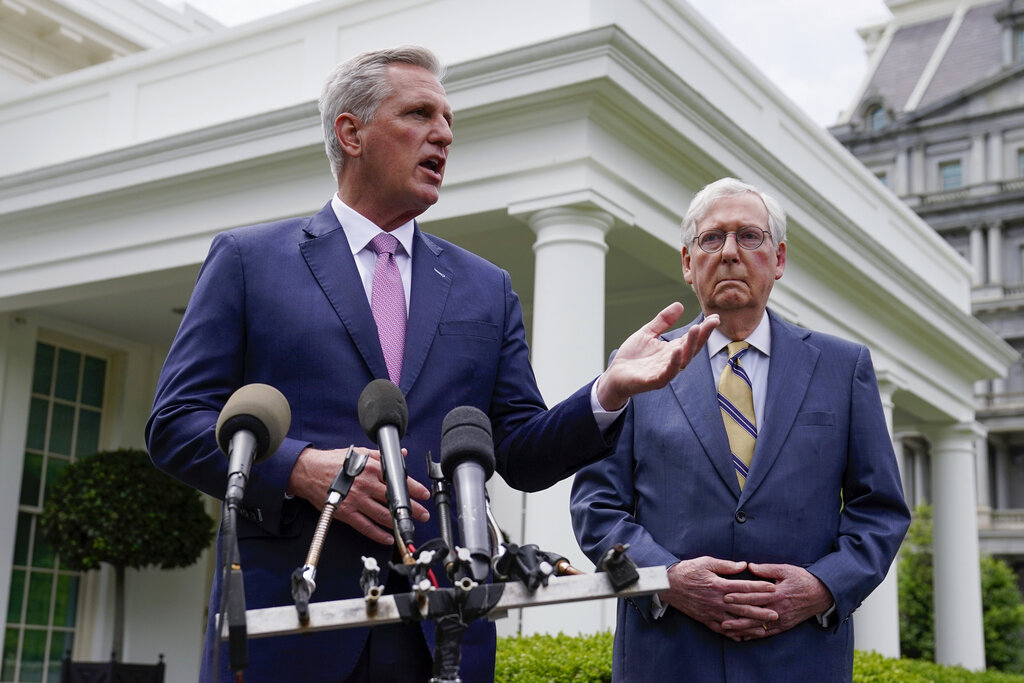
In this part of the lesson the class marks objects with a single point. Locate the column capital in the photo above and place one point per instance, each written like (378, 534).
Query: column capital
(889, 383)
(948, 434)
(584, 226)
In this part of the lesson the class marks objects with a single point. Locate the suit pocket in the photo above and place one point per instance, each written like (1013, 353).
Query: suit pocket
(469, 328)
(820, 419)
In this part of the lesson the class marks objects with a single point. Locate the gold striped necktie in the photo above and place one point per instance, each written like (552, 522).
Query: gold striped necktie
(736, 399)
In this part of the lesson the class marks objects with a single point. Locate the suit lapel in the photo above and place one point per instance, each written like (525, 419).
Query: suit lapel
(694, 389)
(329, 258)
(789, 376)
(431, 282)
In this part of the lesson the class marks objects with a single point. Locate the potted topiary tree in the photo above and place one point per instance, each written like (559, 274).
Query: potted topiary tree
(116, 507)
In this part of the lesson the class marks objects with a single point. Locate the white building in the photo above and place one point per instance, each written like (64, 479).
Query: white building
(583, 129)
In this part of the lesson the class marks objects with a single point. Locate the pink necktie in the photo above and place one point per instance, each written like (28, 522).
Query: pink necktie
(387, 301)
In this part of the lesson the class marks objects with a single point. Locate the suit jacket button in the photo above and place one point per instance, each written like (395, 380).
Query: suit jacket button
(741, 516)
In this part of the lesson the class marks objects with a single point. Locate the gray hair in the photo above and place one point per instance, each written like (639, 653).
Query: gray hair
(730, 187)
(359, 85)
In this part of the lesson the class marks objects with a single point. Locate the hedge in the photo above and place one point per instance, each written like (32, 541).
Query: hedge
(588, 659)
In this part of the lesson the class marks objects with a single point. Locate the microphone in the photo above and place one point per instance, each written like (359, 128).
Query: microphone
(467, 459)
(383, 415)
(250, 428)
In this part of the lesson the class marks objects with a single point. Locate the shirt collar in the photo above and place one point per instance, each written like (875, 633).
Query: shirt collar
(760, 338)
(360, 230)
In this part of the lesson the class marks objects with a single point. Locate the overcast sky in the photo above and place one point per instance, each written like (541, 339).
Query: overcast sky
(809, 48)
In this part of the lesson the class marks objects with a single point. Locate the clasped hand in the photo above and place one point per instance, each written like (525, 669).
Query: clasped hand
(365, 507)
(745, 609)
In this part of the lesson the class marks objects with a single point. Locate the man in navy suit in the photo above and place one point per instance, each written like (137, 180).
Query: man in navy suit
(767, 558)
(289, 304)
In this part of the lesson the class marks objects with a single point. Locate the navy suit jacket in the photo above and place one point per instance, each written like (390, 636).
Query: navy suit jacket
(823, 493)
(282, 304)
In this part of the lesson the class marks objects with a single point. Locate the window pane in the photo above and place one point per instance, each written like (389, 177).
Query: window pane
(10, 654)
(22, 538)
(33, 654)
(16, 596)
(43, 554)
(68, 363)
(55, 467)
(31, 479)
(63, 643)
(950, 175)
(93, 375)
(88, 441)
(37, 611)
(61, 429)
(65, 607)
(37, 424)
(42, 375)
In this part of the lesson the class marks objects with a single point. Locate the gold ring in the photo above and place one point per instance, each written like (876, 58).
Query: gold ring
(765, 627)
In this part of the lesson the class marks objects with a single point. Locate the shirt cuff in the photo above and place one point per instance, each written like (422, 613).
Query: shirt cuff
(825, 618)
(604, 418)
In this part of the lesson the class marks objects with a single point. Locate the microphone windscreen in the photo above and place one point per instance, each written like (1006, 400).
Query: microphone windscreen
(380, 404)
(257, 408)
(466, 435)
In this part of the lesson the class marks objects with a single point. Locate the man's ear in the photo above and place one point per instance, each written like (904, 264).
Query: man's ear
(347, 129)
(687, 272)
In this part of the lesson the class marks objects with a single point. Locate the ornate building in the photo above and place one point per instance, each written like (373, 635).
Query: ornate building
(939, 119)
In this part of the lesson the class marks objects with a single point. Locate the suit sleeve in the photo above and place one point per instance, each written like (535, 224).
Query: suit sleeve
(205, 365)
(602, 504)
(534, 447)
(874, 517)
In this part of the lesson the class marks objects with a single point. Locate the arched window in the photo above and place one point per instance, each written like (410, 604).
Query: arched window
(878, 117)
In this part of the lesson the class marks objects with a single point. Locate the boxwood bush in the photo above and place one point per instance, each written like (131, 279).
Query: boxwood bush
(588, 659)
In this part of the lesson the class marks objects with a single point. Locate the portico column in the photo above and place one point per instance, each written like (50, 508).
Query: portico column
(995, 156)
(959, 637)
(876, 623)
(568, 351)
(983, 480)
(977, 256)
(995, 253)
(917, 173)
(1002, 463)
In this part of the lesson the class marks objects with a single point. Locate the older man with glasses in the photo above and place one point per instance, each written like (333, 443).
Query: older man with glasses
(763, 476)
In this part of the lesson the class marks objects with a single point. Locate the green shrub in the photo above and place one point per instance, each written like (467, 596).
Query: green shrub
(545, 659)
(588, 658)
(1002, 604)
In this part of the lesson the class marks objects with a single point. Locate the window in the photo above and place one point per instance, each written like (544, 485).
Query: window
(878, 117)
(1020, 163)
(883, 178)
(63, 425)
(1018, 44)
(950, 175)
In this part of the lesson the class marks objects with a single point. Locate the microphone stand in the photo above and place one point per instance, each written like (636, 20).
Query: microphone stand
(233, 596)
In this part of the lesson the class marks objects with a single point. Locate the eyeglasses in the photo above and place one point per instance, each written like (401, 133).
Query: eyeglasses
(747, 237)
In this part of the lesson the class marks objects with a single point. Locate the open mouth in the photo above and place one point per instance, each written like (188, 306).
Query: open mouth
(434, 165)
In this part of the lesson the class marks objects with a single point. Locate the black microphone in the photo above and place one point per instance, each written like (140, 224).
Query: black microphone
(467, 459)
(251, 426)
(383, 415)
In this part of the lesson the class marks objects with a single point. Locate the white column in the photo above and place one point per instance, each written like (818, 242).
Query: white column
(995, 156)
(567, 352)
(901, 173)
(976, 160)
(995, 253)
(983, 479)
(876, 623)
(918, 177)
(977, 256)
(959, 636)
(921, 492)
(1002, 463)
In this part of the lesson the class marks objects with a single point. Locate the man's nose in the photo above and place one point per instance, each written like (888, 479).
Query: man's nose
(442, 133)
(731, 249)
